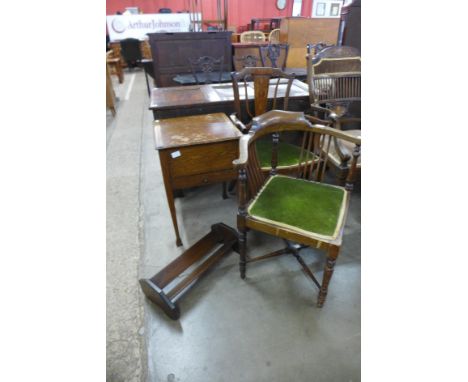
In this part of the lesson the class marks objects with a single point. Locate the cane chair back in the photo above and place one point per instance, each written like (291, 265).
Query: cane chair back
(207, 69)
(252, 36)
(302, 209)
(274, 55)
(248, 61)
(274, 36)
(334, 76)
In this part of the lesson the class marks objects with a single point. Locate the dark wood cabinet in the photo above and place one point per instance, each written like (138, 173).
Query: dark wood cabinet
(350, 25)
(171, 51)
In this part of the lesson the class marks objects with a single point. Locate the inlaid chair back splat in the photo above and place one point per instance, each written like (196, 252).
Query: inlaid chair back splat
(264, 81)
(207, 69)
(302, 210)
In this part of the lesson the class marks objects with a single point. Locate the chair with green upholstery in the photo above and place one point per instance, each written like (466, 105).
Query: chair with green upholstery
(302, 210)
(257, 90)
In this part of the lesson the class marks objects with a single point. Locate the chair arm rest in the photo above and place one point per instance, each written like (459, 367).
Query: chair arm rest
(317, 120)
(321, 109)
(241, 162)
(236, 121)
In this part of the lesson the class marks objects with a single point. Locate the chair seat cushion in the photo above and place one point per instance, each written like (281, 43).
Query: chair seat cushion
(310, 208)
(288, 154)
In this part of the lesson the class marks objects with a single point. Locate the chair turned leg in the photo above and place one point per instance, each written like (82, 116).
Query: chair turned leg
(327, 274)
(242, 252)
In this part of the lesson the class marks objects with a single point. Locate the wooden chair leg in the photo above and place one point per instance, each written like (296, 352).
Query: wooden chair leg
(242, 251)
(342, 172)
(327, 274)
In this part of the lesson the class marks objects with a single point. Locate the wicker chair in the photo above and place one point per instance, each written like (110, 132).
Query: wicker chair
(252, 36)
(274, 36)
(303, 211)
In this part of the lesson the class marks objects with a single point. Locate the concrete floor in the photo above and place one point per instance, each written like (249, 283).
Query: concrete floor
(264, 328)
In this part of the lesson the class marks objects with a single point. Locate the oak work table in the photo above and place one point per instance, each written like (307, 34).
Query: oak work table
(195, 151)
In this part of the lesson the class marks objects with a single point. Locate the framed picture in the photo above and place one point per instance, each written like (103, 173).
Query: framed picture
(335, 9)
(320, 10)
(327, 9)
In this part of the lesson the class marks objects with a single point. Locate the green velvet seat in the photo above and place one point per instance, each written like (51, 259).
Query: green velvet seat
(307, 207)
(288, 154)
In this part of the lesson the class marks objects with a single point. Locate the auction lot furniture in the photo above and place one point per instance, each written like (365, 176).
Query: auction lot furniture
(334, 78)
(252, 36)
(144, 47)
(110, 95)
(268, 83)
(213, 98)
(303, 211)
(350, 25)
(300, 31)
(195, 151)
(217, 243)
(171, 52)
(114, 64)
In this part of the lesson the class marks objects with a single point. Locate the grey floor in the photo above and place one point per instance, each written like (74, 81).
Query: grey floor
(264, 328)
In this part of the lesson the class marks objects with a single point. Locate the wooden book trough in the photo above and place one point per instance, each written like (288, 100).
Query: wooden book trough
(221, 240)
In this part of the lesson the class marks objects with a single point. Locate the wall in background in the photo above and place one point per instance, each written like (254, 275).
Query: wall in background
(240, 12)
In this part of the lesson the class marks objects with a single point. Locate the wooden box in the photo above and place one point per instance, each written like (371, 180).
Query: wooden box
(171, 52)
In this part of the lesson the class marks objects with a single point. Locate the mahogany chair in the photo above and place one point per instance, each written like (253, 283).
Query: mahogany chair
(334, 79)
(302, 210)
(256, 85)
(252, 36)
(274, 55)
(206, 69)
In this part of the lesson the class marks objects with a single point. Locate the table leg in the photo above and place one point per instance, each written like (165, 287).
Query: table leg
(164, 159)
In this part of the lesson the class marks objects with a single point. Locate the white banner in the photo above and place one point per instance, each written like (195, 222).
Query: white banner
(137, 26)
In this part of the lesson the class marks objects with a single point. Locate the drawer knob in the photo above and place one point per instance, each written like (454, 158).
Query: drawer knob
(205, 180)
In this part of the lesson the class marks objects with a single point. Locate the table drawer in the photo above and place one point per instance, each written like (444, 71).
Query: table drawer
(203, 179)
(200, 159)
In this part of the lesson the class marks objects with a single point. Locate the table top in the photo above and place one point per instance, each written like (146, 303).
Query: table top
(193, 130)
(189, 78)
(184, 96)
